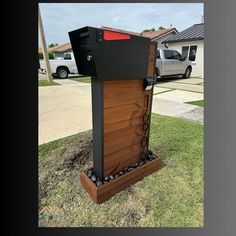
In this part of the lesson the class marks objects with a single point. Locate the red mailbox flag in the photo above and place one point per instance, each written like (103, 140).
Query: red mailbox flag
(110, 35)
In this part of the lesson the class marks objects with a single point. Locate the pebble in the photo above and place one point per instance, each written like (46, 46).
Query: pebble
(125, 169)
(111, 177)
(99, 183)
(106, 178)
(94, 178)
(116, 176)
(134, 165)
(141, 163)
(121, 172)
(130, 168)
(90, 173)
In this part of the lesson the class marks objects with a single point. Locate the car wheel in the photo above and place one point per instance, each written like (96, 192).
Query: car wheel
(187, 73)
(62, 73)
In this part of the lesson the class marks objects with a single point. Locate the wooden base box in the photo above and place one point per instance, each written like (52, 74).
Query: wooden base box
(108, 190)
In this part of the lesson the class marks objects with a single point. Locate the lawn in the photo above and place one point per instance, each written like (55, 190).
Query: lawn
(44, 82)
(199, 103)
(82, 79)
(171, 197)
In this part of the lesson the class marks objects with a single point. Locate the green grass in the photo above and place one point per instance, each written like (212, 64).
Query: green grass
(82, 79)
(46, 83)
(199, 103)
(171, 197)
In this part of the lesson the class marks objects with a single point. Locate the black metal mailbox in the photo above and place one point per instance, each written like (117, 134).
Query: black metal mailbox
(110, 55)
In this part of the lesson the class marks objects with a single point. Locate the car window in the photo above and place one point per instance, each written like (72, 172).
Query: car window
(176, 55)
(67, 56)
(168, 54)
(158, 54)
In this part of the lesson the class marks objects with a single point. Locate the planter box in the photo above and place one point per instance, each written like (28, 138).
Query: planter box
(108, 190)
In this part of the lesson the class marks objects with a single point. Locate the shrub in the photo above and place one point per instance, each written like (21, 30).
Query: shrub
(50, 55)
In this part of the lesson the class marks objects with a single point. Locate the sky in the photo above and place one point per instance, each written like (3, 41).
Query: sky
(59, 18)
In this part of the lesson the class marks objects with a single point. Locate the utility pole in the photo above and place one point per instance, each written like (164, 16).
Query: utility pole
(44, 47)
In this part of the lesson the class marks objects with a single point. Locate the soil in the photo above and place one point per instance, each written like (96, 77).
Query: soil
(64, 163)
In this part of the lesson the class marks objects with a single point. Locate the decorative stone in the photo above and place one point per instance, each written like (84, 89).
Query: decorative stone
(125, 169)
(121, 172)
(141, 163)
(111, 177)
(106, 178)
(90, 173)
(134, 165)
(116, 176)
(94, 178)
(99, 183)
(130, 168)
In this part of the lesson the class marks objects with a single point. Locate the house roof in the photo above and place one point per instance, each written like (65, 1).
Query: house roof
(158, 33)
(195, 32)
(59, 48)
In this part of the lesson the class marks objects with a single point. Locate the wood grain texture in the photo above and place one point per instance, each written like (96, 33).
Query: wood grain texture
(108, 190)
(125, 103)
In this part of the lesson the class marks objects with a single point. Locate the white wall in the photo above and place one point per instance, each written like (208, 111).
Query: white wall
(161, 39)
(198, 64)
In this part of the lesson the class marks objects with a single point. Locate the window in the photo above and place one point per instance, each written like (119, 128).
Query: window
(192, 53)
(158, 54)
(168, 54)
(176, 55)
(67, 56)
(185, 50)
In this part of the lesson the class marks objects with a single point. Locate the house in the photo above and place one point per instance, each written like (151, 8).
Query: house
(190, 43)
(158, 36)
(59, 50)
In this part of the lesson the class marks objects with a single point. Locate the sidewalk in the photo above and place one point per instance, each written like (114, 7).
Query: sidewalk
(177, 109)
(66, 110)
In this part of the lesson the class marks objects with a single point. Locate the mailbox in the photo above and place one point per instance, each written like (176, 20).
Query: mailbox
(122, 70)
(110, 55)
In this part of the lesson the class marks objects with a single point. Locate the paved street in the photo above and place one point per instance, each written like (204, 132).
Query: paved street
(66, 110)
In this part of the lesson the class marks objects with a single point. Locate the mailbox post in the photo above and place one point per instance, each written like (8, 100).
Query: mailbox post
(122, 70)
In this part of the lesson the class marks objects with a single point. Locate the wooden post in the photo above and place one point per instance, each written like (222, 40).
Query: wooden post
(44, 47)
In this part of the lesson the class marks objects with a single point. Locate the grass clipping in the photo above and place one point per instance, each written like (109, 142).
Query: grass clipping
(171, 197)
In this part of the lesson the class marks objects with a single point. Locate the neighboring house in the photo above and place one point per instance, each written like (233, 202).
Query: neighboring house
(159, 36)
(59, 50)
(190, 43)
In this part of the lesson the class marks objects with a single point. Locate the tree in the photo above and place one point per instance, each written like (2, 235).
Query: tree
(50, 55)
(160, 28)
(52, 45)
(149, 30)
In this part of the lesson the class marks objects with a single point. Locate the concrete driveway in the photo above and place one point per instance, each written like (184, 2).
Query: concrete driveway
(171, 95)
(66, 110)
